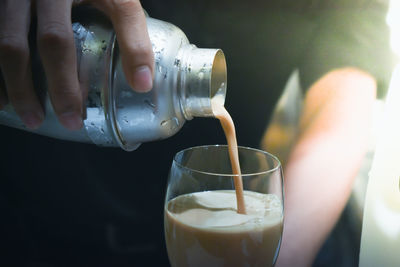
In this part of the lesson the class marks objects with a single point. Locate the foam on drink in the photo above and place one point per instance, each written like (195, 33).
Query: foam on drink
(204, 229)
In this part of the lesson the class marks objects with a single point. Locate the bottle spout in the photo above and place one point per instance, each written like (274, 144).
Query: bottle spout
(203, 80)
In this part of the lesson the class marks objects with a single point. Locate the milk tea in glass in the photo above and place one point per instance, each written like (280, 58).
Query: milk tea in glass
(203, 225)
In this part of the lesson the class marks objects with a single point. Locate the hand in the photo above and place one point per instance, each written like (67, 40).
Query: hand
(57, 52)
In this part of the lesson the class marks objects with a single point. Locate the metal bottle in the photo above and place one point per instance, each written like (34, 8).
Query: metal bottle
(187, 82)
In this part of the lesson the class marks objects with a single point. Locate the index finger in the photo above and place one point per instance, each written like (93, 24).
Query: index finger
(129, 22)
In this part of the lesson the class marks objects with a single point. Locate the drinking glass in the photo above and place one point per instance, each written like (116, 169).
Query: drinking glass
(201, 225)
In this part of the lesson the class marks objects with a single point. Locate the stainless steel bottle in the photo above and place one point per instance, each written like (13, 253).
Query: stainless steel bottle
(187, 81)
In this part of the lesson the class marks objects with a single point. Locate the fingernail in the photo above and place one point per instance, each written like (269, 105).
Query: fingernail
(71, 120)
(32, 120)
(142, 79)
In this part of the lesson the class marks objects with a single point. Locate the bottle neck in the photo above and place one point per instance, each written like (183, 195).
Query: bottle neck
(203, 79)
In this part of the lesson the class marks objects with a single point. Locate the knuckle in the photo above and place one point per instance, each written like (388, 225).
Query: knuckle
(141, 51)
(54, 34)
(13, 46)
(140, 48)
(61, 107)
(64, 107)
(65, 98)
(65, 94)
(126, 5)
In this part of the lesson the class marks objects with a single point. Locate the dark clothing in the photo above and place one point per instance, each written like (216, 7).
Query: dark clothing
(72, 203)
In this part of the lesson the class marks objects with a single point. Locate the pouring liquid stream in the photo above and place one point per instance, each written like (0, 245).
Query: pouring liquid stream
(229, 129)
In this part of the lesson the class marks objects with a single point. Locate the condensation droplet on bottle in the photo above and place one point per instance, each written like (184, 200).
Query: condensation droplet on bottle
(103, 45)
(177, 62)
(149, 103)
(171, 124)
(157, 55)
(175, 122)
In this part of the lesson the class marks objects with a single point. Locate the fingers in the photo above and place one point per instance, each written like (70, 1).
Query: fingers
(15, 62)
(57, 51)
(137, 56)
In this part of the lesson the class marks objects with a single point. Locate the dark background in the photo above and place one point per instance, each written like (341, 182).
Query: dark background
(71, 204)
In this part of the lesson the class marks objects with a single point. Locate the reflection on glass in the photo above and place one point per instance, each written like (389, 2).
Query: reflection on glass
(202, 226)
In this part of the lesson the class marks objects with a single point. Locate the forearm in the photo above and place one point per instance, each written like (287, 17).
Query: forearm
(323, 163)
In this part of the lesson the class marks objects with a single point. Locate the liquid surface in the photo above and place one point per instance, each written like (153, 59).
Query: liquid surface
(204, 229)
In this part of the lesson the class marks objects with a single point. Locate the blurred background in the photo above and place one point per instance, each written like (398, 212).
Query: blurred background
(70, 204)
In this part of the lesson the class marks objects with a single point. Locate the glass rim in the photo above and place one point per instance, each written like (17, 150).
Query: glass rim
(275, 168)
